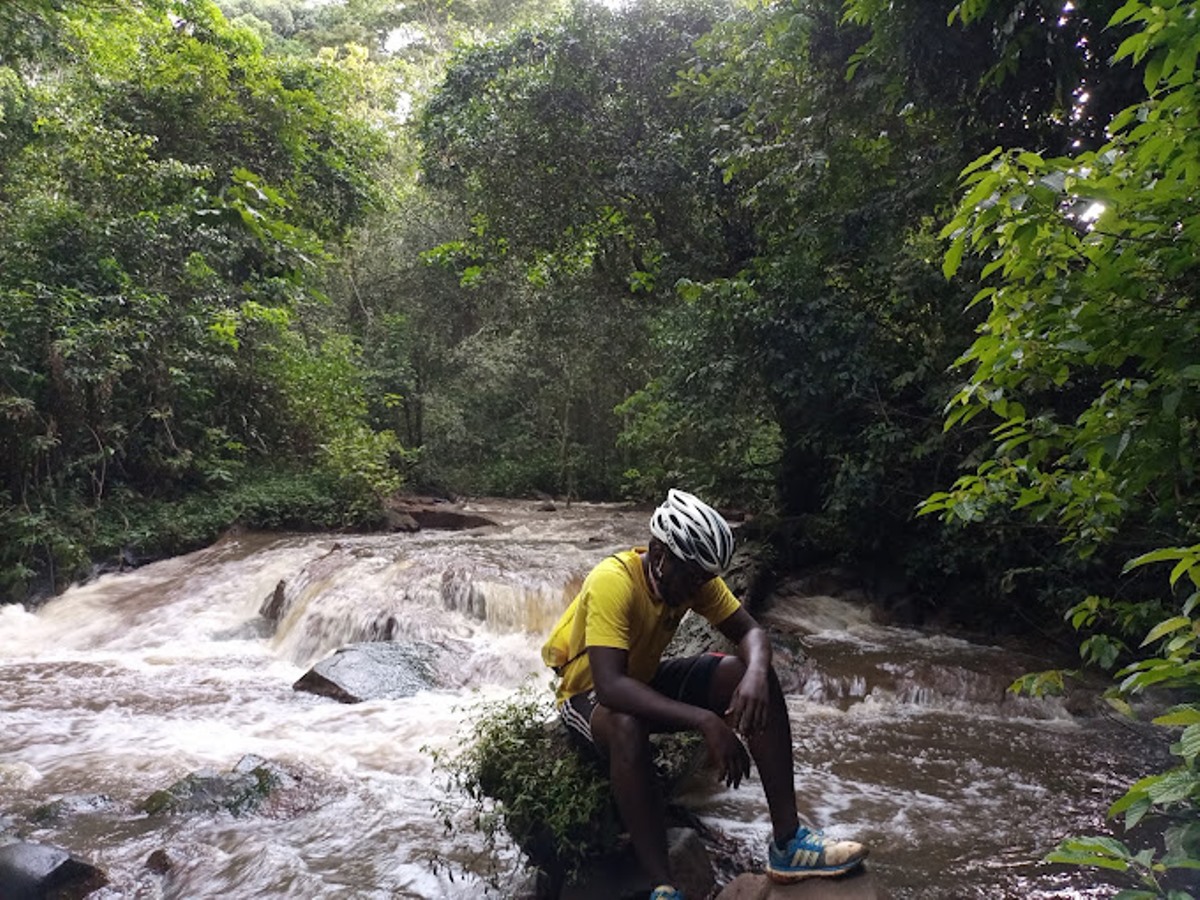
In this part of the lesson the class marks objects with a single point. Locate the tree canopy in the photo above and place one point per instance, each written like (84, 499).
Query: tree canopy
(170, 193)
(835, 262)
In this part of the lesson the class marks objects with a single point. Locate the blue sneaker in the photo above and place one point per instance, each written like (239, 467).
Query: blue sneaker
(810, 854)
(665, 892)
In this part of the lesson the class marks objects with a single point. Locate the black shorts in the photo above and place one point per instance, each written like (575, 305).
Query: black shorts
(686, 679)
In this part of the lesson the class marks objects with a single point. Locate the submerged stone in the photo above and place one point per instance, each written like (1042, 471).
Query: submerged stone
(64, 807)
(239, 791)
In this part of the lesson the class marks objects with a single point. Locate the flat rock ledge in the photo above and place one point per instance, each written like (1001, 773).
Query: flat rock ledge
(856, 885)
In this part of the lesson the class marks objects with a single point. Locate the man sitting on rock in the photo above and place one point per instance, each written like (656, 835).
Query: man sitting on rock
(615, 690)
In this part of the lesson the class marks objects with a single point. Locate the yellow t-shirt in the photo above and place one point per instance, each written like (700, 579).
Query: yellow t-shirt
(615, 608)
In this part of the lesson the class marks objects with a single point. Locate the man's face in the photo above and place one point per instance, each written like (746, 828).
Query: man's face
(677, 580)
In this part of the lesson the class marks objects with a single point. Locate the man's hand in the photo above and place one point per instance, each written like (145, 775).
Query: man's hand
(747, 713)
(726, 751)
(750, 701)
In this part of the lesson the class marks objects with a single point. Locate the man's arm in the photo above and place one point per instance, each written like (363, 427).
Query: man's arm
(621, 692)
(618, 691)
(749, 704)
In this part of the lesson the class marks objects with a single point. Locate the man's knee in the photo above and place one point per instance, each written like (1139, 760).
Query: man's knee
(621, 734)
(728, 675)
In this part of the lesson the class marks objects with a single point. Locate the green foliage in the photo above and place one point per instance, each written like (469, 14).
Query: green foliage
(820, 344)
(48, 547)
(564, 137)
(1093, 305)
(705, 421)
(275, 499)
(736, 253)
(515, 774)
(1109, 853)
(1015, 66)
(1087, 359)
(168, 194)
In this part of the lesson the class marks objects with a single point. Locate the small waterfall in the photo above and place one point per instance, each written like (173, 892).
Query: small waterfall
(353, 594)
(507, 605)
(845, 658)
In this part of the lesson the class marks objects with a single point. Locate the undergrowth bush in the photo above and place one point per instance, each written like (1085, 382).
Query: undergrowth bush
(515, 776)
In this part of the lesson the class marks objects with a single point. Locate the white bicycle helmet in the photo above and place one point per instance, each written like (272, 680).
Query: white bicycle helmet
(694, 531)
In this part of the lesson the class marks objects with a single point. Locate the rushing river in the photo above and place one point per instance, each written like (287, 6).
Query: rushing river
(122, 686)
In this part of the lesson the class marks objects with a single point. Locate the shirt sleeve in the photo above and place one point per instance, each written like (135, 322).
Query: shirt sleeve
(717, 603)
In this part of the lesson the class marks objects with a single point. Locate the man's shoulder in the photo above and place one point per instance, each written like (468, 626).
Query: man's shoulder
(621, 563)
(614, 575)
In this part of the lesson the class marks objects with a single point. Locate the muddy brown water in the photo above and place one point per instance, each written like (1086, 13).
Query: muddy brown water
(117, 688)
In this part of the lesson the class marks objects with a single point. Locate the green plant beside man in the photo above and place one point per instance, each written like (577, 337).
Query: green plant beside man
(615, 690)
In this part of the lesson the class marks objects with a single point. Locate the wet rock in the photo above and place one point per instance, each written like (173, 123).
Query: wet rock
(267, 772)
(371, 671)
(441, 515)
(273, 603)
(694, 635)
(37, 871)
(618, 875)
(396, 520)
(124, 561)
(159, 862)
(64, 807)
(747, 886)
(239, 791)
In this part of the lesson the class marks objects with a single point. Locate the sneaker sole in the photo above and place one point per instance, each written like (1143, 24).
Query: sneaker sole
(790, 877)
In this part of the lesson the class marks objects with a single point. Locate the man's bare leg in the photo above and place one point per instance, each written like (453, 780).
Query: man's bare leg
(625, 740)
(771, 748)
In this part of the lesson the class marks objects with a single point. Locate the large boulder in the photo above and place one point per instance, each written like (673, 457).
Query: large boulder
(372, 671)
(31, 871)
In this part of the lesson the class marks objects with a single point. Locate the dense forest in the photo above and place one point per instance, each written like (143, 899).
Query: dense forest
(914, 282)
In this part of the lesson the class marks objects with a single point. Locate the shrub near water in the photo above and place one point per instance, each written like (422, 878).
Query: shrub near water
(515, 774)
